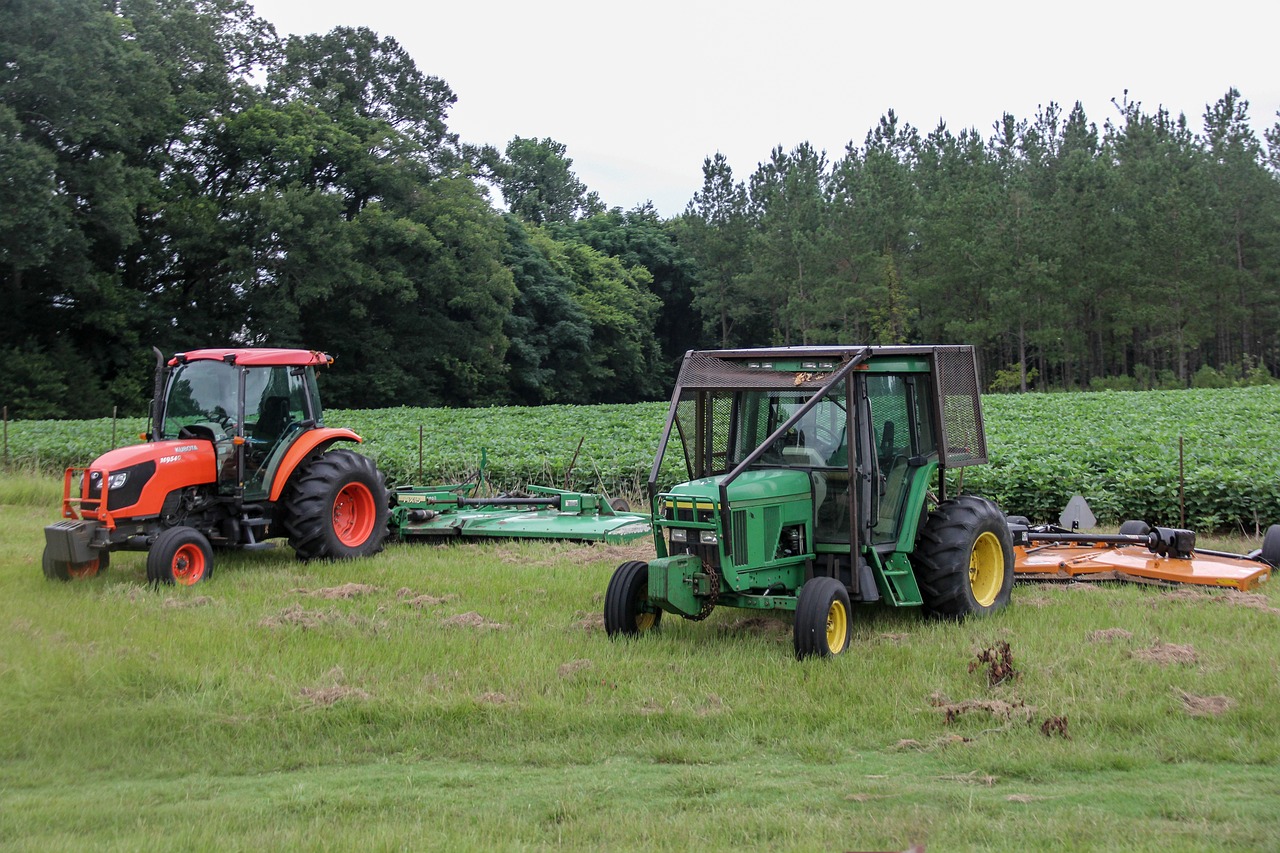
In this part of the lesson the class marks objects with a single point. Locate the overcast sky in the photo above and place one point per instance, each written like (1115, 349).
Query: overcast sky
(641, 93)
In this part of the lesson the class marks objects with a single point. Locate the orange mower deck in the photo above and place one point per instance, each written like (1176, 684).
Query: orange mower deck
(1048, 556)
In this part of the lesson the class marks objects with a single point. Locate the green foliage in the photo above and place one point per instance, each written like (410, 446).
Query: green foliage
(538, 184)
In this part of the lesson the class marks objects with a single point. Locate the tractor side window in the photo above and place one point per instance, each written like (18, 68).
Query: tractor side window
(273, 399)
(274, 408)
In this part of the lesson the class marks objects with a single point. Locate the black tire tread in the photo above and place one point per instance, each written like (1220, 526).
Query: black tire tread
(626, 585)
(809, 635)
(306, 510)
(941, 558)
(1271, 545)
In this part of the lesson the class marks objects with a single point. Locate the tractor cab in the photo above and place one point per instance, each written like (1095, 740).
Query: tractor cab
(250, 407)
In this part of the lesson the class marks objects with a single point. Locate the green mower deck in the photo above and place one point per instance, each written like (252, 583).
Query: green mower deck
(544, 513)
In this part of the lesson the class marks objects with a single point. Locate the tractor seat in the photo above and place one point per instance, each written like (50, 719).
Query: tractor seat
(272, 419)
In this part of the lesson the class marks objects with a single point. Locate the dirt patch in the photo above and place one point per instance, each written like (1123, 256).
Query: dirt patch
(1055, 725)
(1022, 798)
(896, 639)
(493, 698)
(573, 667)
(759, 626)
(589, 621)
(997, 708)
(578, 553)
(973, 778)
(1251, 600)
(183, 603)
(998, 659)
(1034, 601)
(422, 600)
(1205, 706)
(334, 593)
(471, 619)
(1166, 654)
(323, 697)
(1183, 593)
(713, 704)
(1109, 635)
(296, 615)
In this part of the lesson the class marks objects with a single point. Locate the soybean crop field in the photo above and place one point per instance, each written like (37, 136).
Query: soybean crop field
(1121, 450)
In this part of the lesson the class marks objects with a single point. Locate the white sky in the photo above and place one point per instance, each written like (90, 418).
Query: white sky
(641, 93)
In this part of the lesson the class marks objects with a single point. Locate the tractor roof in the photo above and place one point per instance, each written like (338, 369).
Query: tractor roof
(827, 351)
(262, 357)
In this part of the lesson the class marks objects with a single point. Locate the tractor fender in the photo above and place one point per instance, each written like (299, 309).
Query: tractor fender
(311, 441)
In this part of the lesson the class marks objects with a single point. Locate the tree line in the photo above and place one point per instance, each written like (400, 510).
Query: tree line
(174, 173)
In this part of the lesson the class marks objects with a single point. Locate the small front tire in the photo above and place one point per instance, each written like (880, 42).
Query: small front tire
(823, 625)
(61, 570)
(180, 555)
(627, 610)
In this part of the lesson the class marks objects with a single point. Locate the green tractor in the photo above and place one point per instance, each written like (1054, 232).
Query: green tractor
(817, 478)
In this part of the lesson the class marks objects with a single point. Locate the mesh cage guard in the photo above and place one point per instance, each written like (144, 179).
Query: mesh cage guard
(962, 437)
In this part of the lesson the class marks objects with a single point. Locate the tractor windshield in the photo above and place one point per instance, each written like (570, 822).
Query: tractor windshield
(817, 441)
(202, 393)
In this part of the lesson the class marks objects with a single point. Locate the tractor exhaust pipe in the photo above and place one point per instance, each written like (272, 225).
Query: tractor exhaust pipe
(157, 396)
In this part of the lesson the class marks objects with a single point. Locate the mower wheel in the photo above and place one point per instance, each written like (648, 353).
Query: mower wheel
(1133, 527)
(1271, 546)
(964, 558)
(627, 611)
(823, 625)
(62, 570)
(619, 505)
(335, 507)
(180, 555)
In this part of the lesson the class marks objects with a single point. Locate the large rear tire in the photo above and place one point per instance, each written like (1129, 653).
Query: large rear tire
(964, 559)
(180, 555)
(335, 507)
(61, 570)
(627, 611)
(823, 625)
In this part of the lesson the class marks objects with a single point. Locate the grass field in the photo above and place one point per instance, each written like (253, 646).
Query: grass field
(438, 697)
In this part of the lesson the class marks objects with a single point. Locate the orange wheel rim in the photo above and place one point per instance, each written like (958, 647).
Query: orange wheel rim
(83, 570)
(188, 565)
(353, 514)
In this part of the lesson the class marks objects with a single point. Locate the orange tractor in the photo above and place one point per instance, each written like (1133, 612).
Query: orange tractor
(237, 453)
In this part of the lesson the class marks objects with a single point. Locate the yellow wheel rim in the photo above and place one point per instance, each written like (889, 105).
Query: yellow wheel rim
(644, 621)
(986, 569)
(837, 627)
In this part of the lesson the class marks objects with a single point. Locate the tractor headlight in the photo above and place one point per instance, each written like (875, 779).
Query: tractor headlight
(679, 535)
(708, 537)
(115, 481)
